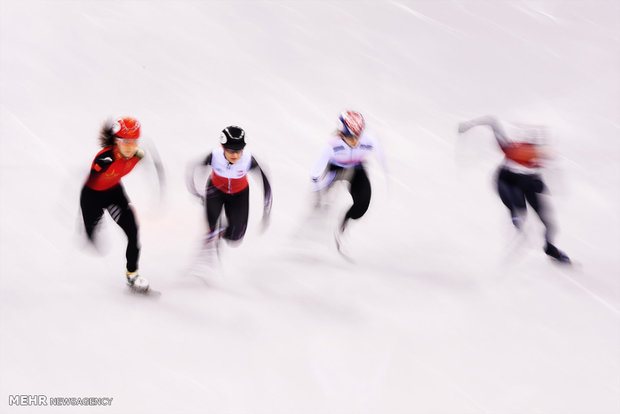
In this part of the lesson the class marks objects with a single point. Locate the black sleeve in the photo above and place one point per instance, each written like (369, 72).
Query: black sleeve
(190, 171)
(103, 161)
(266, 185)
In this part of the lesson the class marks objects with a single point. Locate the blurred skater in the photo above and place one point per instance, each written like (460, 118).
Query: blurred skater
(227, 187)
(103, 189)
(343, 159)
(518, 179)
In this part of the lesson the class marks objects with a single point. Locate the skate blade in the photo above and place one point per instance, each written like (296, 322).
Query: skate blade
(147, 291)
(341, 249)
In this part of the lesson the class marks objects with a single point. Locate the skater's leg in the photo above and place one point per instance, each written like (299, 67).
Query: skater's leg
(536, 201)
(214, 201)
(124, 216)
(236, 209)
(512, 196)
(127, 221)
(360, 191)
(91, 211)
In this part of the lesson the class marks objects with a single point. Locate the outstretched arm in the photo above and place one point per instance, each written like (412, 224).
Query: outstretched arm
(490, 121)
(318, 170)
(152, 154)
(268, 197)
(190, 172)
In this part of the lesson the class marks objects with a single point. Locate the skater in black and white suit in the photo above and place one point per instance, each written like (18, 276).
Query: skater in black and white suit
(228, 188)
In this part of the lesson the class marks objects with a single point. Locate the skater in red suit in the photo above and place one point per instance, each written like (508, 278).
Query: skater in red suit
(518, 180)
(103, 189)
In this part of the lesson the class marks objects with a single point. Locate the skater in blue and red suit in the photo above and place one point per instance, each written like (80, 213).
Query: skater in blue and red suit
(227, 187)
(518, 179)
(103, 189)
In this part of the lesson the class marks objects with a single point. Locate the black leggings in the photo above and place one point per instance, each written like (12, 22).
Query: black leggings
(359, 189)
(236, 209)
(515, 189)
(115, 201)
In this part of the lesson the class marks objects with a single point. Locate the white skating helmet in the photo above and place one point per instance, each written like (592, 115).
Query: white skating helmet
(351, 123)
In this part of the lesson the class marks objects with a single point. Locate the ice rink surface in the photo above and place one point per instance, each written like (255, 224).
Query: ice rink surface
(445, 309)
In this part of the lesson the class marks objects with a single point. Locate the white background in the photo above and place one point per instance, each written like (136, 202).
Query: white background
(445, 310)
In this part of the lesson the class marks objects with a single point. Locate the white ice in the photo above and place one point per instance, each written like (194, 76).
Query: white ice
(443, 311)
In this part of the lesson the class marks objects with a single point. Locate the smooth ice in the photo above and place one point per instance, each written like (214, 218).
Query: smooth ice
(445, 310)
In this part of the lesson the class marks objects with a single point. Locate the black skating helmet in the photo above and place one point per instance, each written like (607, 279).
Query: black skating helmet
(233, 137)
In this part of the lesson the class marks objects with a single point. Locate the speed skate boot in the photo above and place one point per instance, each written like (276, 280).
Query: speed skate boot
(137, 282)
(213, 236)
(556, 254)
(342, 241)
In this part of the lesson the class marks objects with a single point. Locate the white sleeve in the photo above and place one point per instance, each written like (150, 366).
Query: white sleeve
(319, 166)
(490, 121)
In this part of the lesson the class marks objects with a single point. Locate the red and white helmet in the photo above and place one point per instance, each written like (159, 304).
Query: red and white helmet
(351, 123)
(126, 128)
